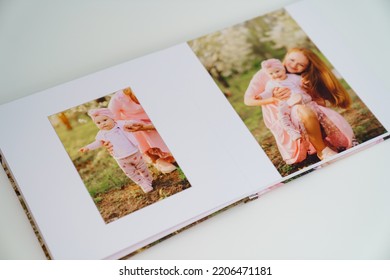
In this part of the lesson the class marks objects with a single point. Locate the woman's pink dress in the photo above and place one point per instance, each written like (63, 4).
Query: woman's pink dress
(338, 133)
(150, 141)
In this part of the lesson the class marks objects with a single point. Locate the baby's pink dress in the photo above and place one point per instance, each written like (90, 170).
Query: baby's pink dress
(150, 141)
(338, 132)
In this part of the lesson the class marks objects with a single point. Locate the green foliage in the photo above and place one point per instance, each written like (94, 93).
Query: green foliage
(286, 169)
(234, 50)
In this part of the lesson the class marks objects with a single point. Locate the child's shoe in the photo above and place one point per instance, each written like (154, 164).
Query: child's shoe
(326, 153)
(164, 166)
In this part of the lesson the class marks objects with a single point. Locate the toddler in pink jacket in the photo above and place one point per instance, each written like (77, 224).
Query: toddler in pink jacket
(124, 147)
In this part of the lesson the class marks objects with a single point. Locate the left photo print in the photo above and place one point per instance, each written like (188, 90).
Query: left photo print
(119, 154)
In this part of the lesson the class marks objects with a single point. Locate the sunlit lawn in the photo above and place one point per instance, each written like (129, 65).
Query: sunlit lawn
(97, 168)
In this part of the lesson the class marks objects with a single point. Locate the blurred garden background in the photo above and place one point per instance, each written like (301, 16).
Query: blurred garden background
(114, 194)
(232, 56)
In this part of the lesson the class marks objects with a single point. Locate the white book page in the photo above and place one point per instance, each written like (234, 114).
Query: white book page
(220, 158)
(339, 212)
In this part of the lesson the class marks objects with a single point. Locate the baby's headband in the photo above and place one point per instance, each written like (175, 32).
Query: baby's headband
(272, 63)
(93, 113)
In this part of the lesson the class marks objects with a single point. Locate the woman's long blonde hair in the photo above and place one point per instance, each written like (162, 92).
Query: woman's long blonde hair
(319, 81)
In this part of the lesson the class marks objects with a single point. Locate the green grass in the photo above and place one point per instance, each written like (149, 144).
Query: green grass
(98, 170)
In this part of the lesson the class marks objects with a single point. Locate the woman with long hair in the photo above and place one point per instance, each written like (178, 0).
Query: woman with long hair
(324, 131)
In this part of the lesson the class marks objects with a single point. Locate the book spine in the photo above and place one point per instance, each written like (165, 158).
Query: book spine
(24, 205)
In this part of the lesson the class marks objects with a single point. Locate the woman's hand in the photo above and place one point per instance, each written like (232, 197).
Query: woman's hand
(281, 93)
(108, 146)
(133, 126)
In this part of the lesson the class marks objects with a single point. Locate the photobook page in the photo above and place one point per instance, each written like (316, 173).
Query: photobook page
(329, 112)
(93, 172)
(318, 25)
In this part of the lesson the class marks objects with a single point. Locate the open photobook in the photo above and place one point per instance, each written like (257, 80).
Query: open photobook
(141, 150)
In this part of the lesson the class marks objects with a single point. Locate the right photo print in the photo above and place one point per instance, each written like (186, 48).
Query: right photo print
(294, 102)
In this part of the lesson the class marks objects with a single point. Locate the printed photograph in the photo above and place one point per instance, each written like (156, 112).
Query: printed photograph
(120, 156)
(293, 101)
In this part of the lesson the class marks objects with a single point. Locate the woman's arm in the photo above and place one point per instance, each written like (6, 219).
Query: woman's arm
(255, 88)
(115, 106)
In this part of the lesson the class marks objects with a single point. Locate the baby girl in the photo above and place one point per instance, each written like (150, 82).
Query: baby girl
(279, 78)
(124, 147)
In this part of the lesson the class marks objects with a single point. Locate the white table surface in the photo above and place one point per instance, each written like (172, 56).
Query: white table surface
(339, 212)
